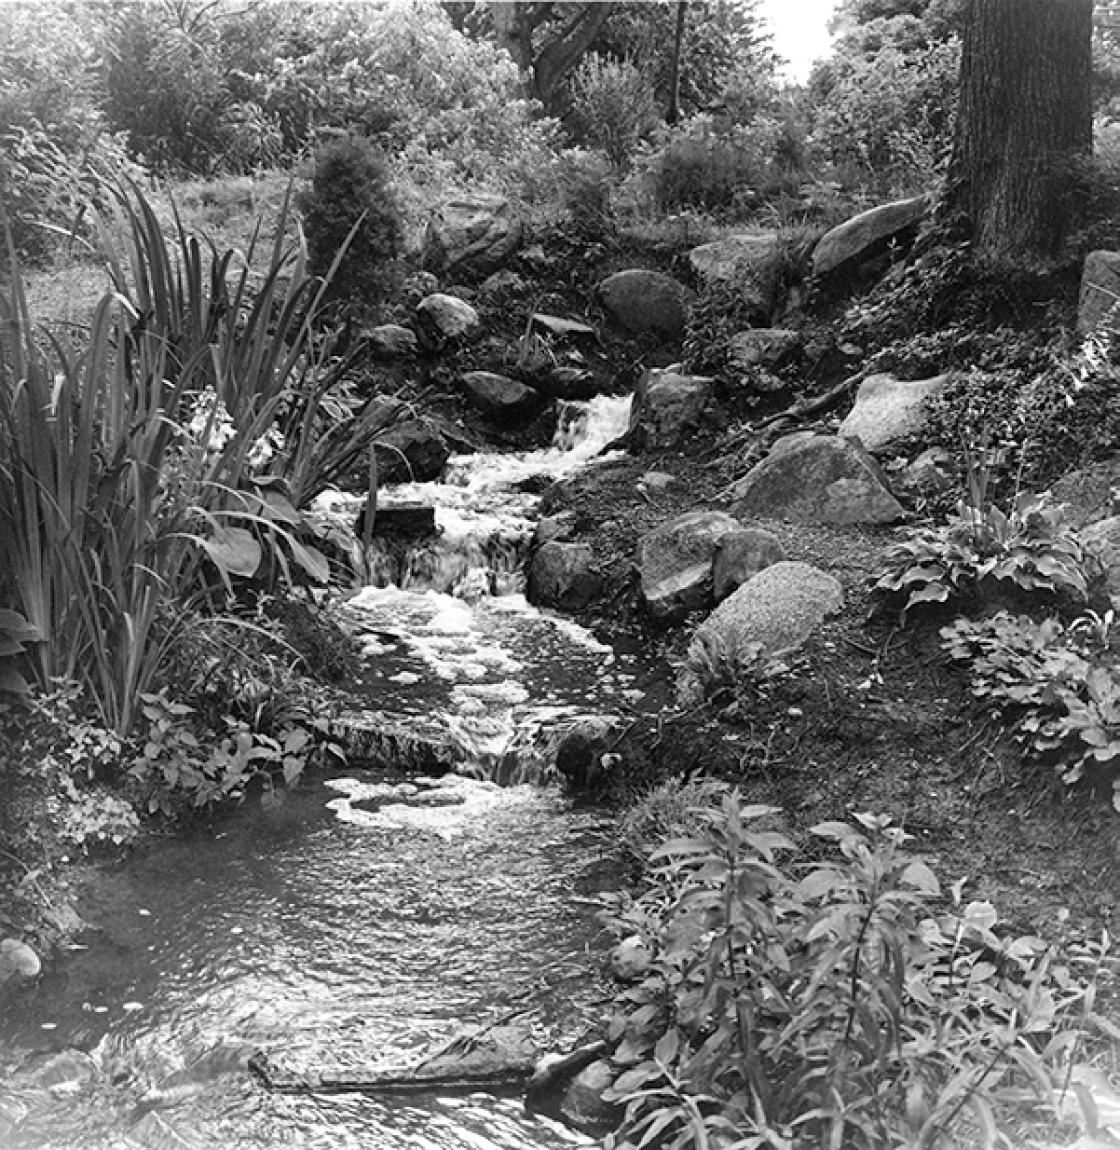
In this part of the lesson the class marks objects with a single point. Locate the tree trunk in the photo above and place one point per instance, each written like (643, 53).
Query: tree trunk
(1025, 118)
(673, 113)
(560, 55)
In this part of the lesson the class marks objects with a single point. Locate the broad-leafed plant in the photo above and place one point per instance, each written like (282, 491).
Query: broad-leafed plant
(843, 1002)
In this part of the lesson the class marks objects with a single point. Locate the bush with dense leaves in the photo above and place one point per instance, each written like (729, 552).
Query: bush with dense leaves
(351, 211)
(613, 105)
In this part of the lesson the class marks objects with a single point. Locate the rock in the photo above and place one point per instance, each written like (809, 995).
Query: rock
(582, 749)
(631, 959)
(645, 301)
(17, 959)
(410, 452)
(925, 477)
(889, 410)
(553, 527)
(378, 740)
(401, 520)
(442, 318)
(471, 236)
(501, 399)
(1103, 538)
(864, 235)
(740, 555)
(655, 483)
(675, 562)
(505, 282)
(392, 341)
(772, 614)
(417, 286)
(563, 576)
(566, 381)
(817, 479)
(1100, 292)
(584, 1105)
(66, 1072)
(560, 328)
(667, 407)
(748, 261)
(766, 347)
(1089, 493)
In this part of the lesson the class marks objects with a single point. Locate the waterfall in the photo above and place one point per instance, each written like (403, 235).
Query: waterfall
(485, 509)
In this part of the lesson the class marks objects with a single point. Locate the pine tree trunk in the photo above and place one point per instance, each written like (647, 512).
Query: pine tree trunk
(1025, 118)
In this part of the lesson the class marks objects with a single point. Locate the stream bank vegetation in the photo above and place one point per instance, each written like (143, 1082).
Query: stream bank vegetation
(182, 373)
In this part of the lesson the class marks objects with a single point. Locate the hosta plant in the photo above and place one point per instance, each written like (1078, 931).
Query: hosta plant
(1030, 549)
(844, 1002)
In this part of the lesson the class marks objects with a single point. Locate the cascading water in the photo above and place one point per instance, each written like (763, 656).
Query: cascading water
(363, 920)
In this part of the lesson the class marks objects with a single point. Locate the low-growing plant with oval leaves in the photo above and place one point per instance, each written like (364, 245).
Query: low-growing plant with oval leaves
(1057, 687)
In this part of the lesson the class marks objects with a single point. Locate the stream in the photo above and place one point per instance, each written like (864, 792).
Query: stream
(371, 917)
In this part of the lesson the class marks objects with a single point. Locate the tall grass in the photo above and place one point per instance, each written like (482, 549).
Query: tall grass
(130, 473)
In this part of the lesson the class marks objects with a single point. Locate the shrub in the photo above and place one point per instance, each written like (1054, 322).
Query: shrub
(1057, 687)
(350, 215)
(835, 1003)
(710, 163)
(613, 106)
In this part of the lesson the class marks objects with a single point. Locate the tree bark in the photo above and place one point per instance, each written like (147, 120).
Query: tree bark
(1025, 119)
(560, 55)
(673, 113)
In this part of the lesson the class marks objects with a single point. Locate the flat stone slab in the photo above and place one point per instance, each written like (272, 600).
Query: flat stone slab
(853, 239)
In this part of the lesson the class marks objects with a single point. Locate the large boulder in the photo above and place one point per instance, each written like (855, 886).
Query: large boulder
(816, 479)
(410, 452)
(675, 562)
(443, 318)
(740, 555)
(889, 410)
(866, 234)
(772, 614)
(1100, 292)
(471, 236)
(748, 261)
(645, 301)
(564, 576)
(17, 959)
(502, 399)
(666, 407)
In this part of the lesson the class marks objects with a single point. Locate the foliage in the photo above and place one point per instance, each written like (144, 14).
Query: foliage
(833, 1003)
(351, 215)
(133, 460)
(1058, 687)
(15, 634)
(182, 757)
(68, 758)
(726, 55)
(713, 163)
(673, 809)
(1048, 410)
(613, 105)
(883, 103)
(1030, 549)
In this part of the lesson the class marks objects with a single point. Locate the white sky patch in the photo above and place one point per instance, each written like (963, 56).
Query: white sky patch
(800, 29)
